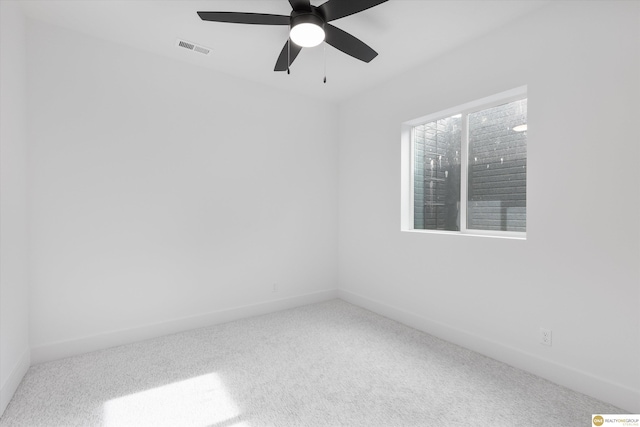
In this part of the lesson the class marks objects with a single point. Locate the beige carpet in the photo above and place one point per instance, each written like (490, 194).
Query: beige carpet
(328, 364)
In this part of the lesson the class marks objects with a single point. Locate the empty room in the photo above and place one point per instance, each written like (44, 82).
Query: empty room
(319, 213)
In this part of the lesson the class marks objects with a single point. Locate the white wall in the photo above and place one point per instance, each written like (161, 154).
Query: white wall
(14, 326)
(578, 272)
(163, 194)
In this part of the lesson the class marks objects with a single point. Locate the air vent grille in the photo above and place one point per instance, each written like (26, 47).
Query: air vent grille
(185, 44)
(193, 47)
(200, 49)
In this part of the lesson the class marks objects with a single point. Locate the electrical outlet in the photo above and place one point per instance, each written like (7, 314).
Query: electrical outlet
(545, 336)
(275, 287)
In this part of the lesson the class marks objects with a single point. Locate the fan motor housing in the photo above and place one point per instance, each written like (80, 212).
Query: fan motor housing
(306, 17)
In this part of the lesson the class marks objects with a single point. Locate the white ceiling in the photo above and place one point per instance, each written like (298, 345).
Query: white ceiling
(403, 32)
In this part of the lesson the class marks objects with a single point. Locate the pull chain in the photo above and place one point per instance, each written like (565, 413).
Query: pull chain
(324, 48)
(288, 55)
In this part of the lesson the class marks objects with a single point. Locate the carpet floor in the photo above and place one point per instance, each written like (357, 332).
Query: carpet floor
(327, 364)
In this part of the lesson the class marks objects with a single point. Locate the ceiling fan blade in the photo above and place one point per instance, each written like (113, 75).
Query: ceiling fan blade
(300, 5)
(336, 9)
(350, 45)
(281, 63)
(245, 18)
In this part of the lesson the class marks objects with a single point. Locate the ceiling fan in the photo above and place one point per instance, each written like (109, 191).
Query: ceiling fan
(309, 26)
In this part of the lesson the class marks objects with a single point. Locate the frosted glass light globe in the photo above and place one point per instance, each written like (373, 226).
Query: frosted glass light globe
(307, 34)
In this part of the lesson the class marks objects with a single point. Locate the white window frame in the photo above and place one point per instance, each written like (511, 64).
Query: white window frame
(408, 165)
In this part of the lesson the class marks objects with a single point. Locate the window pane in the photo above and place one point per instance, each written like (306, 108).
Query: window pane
(497, 168)
(437, 174)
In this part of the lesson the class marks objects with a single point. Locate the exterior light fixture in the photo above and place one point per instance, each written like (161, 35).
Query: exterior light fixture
(307, 30)
(520, 128)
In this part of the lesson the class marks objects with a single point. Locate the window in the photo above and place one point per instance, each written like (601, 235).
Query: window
(467, 168)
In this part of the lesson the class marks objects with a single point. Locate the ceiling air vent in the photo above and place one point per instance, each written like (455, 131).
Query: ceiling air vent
(192, 46)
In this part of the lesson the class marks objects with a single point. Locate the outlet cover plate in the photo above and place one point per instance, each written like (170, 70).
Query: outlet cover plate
(545, 336)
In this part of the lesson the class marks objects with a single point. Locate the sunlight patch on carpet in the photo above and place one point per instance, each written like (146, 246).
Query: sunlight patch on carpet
(199, 401)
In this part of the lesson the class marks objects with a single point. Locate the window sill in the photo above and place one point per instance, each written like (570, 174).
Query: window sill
(512, 235)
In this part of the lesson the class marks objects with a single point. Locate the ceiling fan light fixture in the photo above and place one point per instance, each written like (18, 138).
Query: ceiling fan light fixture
(307, 30)
(308, 26)
(307, 35)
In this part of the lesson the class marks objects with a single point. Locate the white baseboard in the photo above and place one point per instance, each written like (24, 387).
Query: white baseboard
(616, 394)
(59, 350)
(8, 389)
